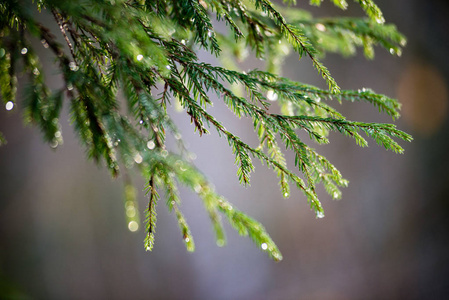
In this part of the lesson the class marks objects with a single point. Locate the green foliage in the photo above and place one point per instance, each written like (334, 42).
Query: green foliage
(124, 62)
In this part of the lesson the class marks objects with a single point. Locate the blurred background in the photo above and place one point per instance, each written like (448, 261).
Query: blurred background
(64, 234)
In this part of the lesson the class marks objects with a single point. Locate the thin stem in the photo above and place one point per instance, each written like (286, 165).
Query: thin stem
(62, 26)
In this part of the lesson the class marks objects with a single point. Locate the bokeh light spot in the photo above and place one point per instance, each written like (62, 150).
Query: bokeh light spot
(424, 95)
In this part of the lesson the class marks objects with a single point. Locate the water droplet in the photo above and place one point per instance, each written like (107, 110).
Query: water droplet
(229, 207)
(181, 166)
(69, 86)
(392, 51)
(141, 122)
(168, 67)
(139, 57)
(138, 158)
(151, 145)
(178, 136)
(36, 71)
(58, 134)
(320, 27)
(280, 41)
(54, 143)
(148, 248)
(24, 51)
(319, 214)
(73, 66)
(220, 243)
(171, 31)
(272, 96)
(335, 195)
(268, 33)
(130, 211)
(133, 226)
(183, 42)
(44, 43)
(210, 33)
(9, 105)
(192, 156)
(277, 256)
(187, 239)
(197, 188)
(286, 194)
(164, 153)
(264, 246)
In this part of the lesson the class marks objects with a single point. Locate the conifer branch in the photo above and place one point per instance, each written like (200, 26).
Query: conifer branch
(298, 41)
(62, 28)
(146, 52)
(151, 214)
